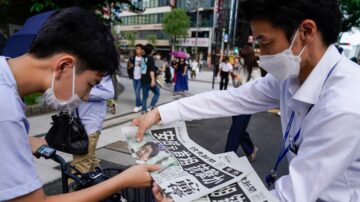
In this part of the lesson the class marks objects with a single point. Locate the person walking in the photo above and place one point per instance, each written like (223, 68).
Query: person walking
(237, 134)
(225, 69)
(194, 69)
(148, 81)
(181, 84)
(134, 71)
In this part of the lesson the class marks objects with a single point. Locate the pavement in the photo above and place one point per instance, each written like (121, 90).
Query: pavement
(112, 150)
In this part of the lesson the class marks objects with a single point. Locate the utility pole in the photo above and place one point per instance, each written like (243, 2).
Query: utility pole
(197, 29)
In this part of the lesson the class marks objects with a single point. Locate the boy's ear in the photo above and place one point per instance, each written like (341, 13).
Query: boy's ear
(63, 64)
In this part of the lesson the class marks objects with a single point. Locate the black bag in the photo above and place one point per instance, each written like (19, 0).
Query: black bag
(68, 134)
(130, 71)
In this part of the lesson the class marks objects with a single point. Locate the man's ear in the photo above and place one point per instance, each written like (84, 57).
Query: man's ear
(63, 64)
(308, 30)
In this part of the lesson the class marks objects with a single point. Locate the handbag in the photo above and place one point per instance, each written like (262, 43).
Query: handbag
(68, 134)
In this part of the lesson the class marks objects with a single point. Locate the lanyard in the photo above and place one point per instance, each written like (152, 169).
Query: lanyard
(270, 179)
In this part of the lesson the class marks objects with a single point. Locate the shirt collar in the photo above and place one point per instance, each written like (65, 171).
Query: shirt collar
(310, 90)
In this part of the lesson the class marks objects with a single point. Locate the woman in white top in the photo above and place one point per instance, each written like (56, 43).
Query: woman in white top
(225, 70)
(237, 133)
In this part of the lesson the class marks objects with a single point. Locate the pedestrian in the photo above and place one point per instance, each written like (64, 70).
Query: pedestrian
(69, 55)
(225, 68)
(237, 133)
(181, 84)
(134, 71)
(316, 88)
(148, 81)
(194, 69)
(92, 114)
(159, 69)
(168, 77)
(173, 68)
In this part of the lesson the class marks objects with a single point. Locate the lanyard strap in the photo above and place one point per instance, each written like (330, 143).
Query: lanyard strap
(284, 150)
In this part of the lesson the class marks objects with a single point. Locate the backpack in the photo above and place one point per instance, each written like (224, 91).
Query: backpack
(130, 71)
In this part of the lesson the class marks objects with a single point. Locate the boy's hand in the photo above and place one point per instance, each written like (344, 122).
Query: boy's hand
(159, 197)
(139, 176)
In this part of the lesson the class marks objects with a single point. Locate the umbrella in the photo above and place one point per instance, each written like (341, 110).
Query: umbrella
(19, 43)
(179, 54)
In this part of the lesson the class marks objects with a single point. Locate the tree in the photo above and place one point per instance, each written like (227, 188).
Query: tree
(10, 9)
(130, 37)
(351, 14)
(176, 23)
(152, 39)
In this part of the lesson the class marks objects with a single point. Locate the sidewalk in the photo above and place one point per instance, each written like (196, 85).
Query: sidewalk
(110, 147)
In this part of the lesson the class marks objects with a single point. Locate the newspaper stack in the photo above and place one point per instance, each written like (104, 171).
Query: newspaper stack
(191, 173)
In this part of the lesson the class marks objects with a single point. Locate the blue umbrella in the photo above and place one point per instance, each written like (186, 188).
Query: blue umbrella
(19, 43)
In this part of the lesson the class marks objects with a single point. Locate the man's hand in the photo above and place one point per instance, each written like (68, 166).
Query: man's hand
(153, 83)
(36, 142)
(159, 197)
(145, 121)
(138, 176)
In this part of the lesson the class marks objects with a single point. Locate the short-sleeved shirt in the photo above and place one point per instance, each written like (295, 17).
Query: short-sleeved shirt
(137, 67)
(18, 175)
(148, 65)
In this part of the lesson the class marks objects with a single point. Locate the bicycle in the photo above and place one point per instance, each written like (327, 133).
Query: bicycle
(85, 180)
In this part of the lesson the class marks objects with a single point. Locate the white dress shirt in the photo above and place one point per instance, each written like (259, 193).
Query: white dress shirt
(226, 67)
(92, 112)
(327, 165)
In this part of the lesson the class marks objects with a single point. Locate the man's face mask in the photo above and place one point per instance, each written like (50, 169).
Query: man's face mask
(62, 105)
(283, 65)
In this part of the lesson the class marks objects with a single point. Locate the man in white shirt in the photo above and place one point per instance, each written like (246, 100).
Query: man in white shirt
(316, 89)
(135, 63)
(225, 69)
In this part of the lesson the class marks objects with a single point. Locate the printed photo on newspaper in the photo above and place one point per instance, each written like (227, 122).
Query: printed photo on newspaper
(189, 171)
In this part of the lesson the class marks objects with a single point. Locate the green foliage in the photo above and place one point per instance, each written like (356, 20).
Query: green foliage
(351, 14)
(176, 23)
(32, 99)
(130, 37)
(152, 39)
(40, 5)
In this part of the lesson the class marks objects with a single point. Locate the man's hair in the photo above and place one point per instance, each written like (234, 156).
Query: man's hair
(288, 15)
(155, 148)
(78, 32)
(148, 49)
(139, 46)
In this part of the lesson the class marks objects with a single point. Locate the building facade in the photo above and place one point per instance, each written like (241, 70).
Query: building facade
(146, 24)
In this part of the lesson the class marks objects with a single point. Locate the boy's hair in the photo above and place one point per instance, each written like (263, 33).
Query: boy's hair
(139, 46)
(78, 32)
(288, 15)
(148, 49)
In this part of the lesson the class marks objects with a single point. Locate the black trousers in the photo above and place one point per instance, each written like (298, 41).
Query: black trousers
(238, 135)
(224, 80)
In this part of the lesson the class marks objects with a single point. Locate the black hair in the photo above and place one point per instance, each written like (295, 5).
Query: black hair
(78, 32)
(139, 46)
(248, 54)
(288, 15)
(148, 49)
(155, 148)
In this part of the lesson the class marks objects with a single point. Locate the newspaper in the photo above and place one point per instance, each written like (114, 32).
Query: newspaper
(249, 189)
(189, 171)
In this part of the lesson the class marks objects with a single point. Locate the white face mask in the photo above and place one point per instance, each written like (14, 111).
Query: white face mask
(283, 65)
(61, 105)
